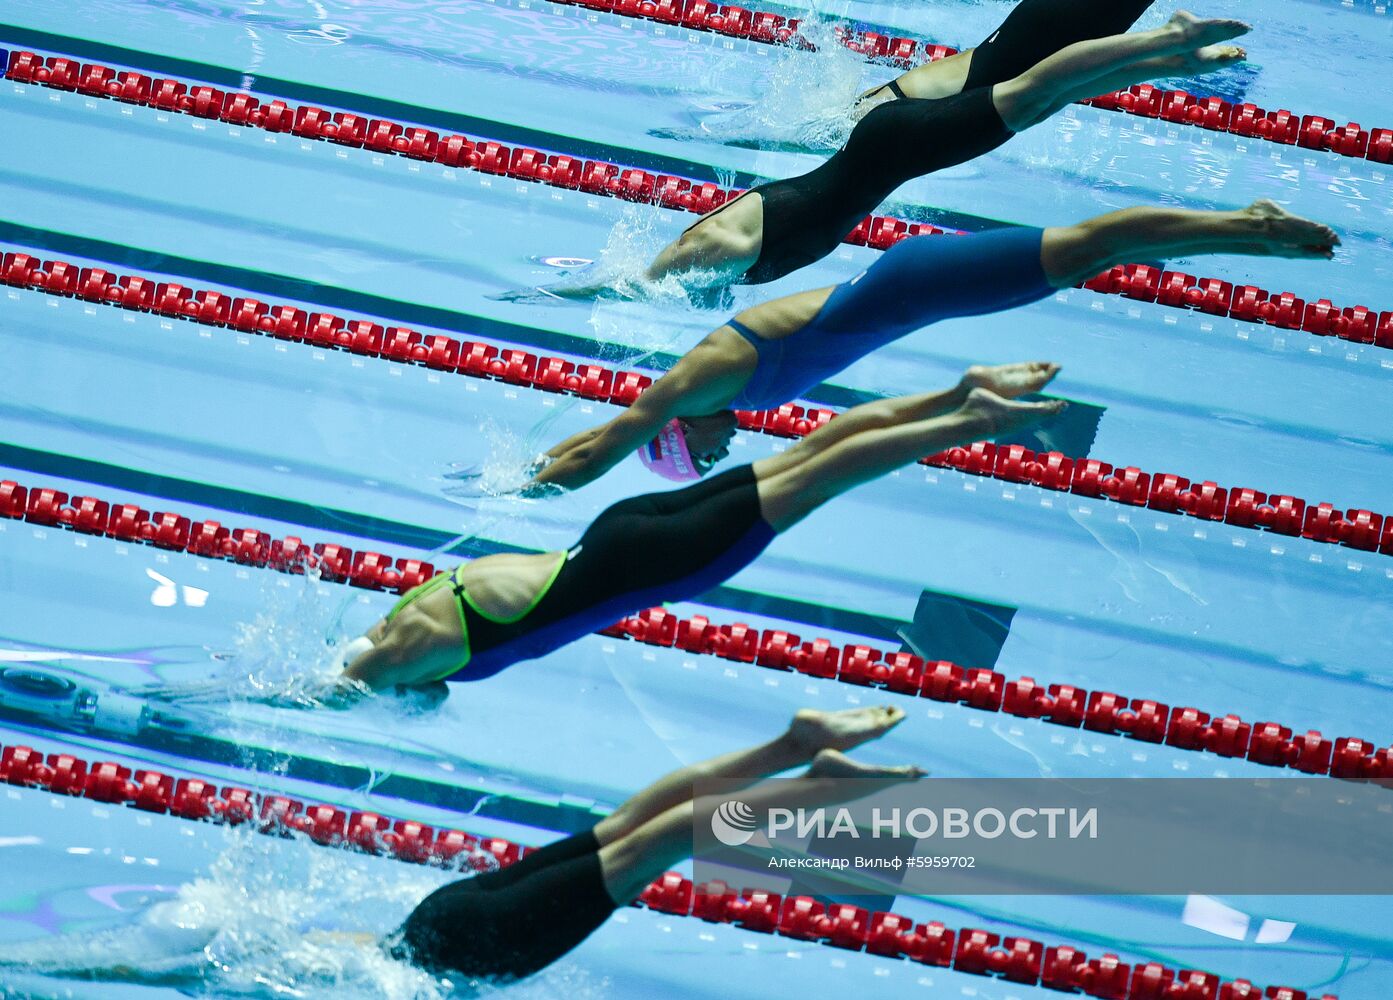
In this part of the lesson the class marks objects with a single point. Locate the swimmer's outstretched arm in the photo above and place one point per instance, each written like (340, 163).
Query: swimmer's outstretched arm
(319, 692)
(724, 243)
(704, 381)
(105, 956)
(585, 457)
(603, 287)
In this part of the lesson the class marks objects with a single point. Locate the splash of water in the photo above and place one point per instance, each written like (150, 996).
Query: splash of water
(271, 918)
(630, 321)
(621, 270)
(282, 652)
(274, 919)
(288, 654)
(513, 459)
(803, 100)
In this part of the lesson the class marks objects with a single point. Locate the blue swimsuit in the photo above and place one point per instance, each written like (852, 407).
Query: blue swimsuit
(918, 281)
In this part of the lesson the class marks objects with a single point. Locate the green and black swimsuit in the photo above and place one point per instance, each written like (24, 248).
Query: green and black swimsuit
(638, 553)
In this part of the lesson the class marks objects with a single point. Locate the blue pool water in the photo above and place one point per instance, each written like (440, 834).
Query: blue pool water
(327, 446)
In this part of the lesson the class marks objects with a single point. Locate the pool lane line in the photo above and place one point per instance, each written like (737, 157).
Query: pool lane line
(1147, 721)
(1243, 507)
(380, 107)
(1176, 107)
(1020, 960)
(436, 118)
(30, 238)
(506, 806)
(1143, 282)
(803, 614)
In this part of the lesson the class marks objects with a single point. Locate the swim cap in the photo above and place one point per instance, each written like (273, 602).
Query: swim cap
(347, 653)
(668, 454)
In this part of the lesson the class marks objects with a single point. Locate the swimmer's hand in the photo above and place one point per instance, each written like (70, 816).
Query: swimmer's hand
(304, 692)
(185, 692)
(579, 289)
(467, 483)
(422, 698)
(463, 473)
(337, 693)
(535, 490)
(534, 294)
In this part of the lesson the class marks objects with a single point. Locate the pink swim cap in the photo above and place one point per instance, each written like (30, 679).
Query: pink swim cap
(668, 454)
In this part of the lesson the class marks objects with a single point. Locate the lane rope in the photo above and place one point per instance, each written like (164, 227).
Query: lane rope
(1242, 507)
(852, 928)
(1179, 107)
(1177, 289)
(1107, 712)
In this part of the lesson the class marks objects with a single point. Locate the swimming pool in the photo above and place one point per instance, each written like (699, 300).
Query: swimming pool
(348, 448)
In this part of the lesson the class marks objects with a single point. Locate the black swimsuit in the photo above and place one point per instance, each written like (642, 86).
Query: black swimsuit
(806, 217)
(1036, 29)
(509, 923)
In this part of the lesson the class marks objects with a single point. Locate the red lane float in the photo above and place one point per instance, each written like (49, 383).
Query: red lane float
(1176, 106)
(1360, 324)
(1241, 507)
(1238, 506)
(1185, 728)
(853, 928)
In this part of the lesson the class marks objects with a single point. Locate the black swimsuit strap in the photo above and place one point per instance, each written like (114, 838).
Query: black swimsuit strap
(897, 90)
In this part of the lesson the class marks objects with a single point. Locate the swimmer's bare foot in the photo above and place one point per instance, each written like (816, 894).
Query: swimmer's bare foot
(1208, 59)
(1010, 381)
(1279, 233)
(815, 731)
(835, 764)
(1195, 32)
(1003, 416)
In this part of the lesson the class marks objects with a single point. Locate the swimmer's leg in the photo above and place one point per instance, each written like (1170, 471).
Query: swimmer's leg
(1037, 29)
(1008, 381)
(1071, 254)
(809, 733)
(1086, 69)
(632, 861)
(931, 81)
(1193, 63)
(794, 484)
(1034, 30)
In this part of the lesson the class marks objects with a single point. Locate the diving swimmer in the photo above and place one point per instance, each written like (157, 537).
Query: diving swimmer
(484, 616)
(775, 352)
(507, 923)
(487, 926)
(936, 116)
